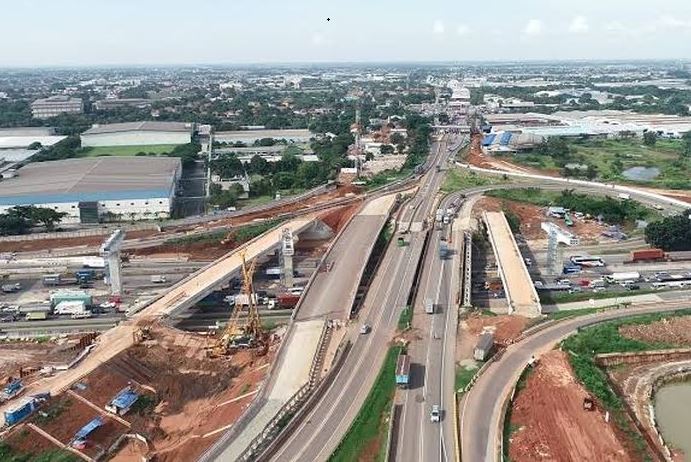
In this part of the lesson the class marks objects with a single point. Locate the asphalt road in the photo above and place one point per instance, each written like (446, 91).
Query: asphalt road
(432, 356)
(481, 411)
(324, 426)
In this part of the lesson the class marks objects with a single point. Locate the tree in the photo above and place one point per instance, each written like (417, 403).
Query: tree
(258, 165)
(47, 217)
(671, 233)
(686, 148)
(13, 224)
(227, 166)
(649, 138)
(386, 149)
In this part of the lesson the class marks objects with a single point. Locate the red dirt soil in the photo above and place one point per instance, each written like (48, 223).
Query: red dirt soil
(131, 451)
(675, 330)
(338, 218)
(551, 423)
(532, 217)
(24, 440)
(507, 327)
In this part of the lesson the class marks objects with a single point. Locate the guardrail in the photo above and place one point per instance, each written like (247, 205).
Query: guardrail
(467, 269)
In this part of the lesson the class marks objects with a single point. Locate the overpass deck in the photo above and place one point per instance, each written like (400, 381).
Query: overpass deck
(519, 288)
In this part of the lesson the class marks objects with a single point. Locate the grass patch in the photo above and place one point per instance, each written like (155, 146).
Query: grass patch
(405, 319)
(557, 315)
(458, 179)
(370, 423)
(565, 297)
(247, 233)
(612, 157)
(100, 151)
(54, 410)
(386, 177)
(463, 376)
(7, 454)
(145, 404)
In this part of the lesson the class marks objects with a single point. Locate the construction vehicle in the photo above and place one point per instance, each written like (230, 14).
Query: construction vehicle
(249, 335)
(403, 371)
(588, 404)
(567, 219)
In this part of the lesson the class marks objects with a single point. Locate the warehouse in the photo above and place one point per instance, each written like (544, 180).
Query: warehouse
(248, 137)
(138, 134)
(97, 189)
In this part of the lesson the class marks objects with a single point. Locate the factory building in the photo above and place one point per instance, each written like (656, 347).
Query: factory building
(56, 105)
(97, 189)
(117, 103)
(138, 134)
(248, 137)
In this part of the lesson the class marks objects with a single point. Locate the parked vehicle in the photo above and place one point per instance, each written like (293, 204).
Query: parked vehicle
(587, 261)
(36, 316)
(69, 307)
(158, 279)
(81, 314)
(624, 196)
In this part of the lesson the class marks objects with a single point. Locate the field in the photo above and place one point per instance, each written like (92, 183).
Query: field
(458, 179)
(612, 157)
(125, 150)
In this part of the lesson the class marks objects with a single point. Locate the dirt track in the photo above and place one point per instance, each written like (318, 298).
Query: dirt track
(551, 424)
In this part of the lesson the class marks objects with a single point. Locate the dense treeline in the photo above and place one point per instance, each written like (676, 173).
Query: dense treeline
(671, 233)
(20, 219)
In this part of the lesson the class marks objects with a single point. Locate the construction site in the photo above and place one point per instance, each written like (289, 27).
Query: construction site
(554, 417)
(164, 388)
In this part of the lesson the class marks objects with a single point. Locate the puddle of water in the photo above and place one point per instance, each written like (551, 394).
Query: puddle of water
(641, 173)
(672, 406)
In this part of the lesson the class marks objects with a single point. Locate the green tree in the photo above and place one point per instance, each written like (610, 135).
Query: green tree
(386, 149)
(671, 233)
(686, 147)
(649, 138)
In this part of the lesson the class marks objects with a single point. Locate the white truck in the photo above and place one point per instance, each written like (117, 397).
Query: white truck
(624, 196)
(631, 276)
(158, 279)
(429, 306)
(70, 307)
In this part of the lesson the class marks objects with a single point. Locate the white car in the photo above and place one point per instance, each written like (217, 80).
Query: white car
(435, 414)
(364, 329)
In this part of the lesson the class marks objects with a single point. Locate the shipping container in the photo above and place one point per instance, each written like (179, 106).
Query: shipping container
(287, 300)
(644, 255)
(21, 411)
(70, 296)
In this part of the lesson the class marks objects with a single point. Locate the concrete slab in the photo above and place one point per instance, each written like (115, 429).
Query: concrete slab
(300, 350)
(380, 206)
(518, 285)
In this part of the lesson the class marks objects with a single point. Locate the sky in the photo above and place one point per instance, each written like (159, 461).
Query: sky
(141, 32)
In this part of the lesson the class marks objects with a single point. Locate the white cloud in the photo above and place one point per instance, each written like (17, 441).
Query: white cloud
(670, 22)
(579, 25)
(463, 30)
(534, 27)
(438, 27)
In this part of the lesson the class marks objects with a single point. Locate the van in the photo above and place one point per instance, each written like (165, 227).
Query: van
(296, 290)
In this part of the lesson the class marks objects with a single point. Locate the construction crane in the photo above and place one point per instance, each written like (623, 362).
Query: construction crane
(251, 334)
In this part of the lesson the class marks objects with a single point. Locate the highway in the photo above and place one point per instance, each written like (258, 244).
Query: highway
(433, 353)
(321, 430)
(481, 410)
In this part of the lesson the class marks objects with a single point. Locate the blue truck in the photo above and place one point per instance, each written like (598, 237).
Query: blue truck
(403, 371)
(443, 249)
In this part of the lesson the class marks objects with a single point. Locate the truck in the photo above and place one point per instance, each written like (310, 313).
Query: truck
(9, 288)
(85, 274)
(647, 255)
(567, 219)
(400, 241)
(36, 316)
(69, 307)
(287, 300)
(443, 249)
(429, 306)
(52, 279)
(624, 196)
(631, 276)
(158, 279)
(440, 215)
(403, 370)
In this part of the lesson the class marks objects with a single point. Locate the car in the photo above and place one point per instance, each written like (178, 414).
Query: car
(538, 284)
(435, 413)
(528, 262)
(564, 282)
(296, 290)
(633, 287)
(107, 305)
(364, 329)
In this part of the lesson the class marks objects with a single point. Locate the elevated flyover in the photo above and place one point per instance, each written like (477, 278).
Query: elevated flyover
(329, 295)
(181, 296)
(518, 286)
(191, 290)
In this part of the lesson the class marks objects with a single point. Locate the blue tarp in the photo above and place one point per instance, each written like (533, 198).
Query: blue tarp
(505, 138)
(489, 139)
(88, 428)
(125, 399)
